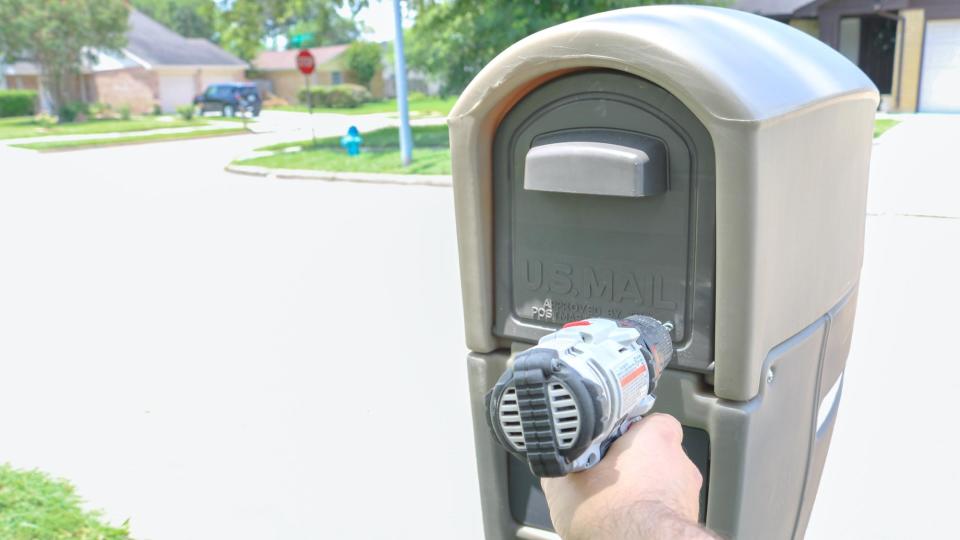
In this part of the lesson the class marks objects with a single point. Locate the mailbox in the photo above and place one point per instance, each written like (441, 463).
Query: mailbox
(700, 165)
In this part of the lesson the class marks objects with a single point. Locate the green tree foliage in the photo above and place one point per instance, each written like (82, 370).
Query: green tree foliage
(189, 18)
(453, 39)
(58, 35)
(328, 28)
(245, 24)
(363, 59)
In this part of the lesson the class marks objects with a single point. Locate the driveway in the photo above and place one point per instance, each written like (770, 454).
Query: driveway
(221, 356)
(896, 437)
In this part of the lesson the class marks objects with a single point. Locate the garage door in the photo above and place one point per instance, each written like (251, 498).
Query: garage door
(176, 90)
(940, 78)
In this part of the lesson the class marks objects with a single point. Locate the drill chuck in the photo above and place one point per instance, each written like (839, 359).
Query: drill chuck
(562, 403)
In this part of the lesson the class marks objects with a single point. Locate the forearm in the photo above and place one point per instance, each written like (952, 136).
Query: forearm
(642, 520)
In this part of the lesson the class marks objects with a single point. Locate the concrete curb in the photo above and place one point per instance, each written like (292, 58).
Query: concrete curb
(435, 180)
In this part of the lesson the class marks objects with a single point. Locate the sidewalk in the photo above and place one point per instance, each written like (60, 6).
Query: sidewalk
(214, 124)
(914, 169)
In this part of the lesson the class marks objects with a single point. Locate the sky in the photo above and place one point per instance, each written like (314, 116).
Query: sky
(378, 17)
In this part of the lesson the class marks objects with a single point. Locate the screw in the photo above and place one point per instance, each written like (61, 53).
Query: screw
(769, 376)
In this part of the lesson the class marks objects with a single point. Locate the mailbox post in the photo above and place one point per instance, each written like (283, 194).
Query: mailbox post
(743, 227)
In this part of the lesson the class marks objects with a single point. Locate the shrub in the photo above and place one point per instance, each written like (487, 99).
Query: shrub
(75, 111)
(101, 110)
(125, 112)
(186, 111)
(157, 110)
(416, 96)
(45, 120)
(17, 102)
(341, 96)
(363, 59)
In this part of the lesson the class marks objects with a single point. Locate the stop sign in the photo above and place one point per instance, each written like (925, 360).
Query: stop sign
(305, 62)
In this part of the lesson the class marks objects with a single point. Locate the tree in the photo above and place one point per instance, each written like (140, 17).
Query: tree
(363, 59)
(245, 24)
(189, 18)
(453, 39)
(330, 28)
(58, 36)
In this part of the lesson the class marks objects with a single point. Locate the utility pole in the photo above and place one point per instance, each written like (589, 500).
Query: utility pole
(400, 78)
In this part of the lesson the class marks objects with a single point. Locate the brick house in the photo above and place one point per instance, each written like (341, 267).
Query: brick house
(157, 67)
(909, 48)
(279, 70)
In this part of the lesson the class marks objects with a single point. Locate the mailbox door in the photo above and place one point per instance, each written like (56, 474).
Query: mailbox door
(604, 207)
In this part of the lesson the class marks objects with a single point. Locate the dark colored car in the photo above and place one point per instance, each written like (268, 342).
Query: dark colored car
(229, 99)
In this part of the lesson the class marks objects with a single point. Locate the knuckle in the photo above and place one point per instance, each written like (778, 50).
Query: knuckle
(667, 427)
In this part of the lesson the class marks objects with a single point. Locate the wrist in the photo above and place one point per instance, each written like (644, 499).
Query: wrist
(640, 520)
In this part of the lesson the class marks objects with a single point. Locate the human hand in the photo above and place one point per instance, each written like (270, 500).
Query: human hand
(644, 488)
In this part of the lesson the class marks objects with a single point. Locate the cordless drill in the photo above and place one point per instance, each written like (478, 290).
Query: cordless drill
(562, 403)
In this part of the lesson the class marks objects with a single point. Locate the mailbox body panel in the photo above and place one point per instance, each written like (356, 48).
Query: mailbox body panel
(764, 456)
(568, 256)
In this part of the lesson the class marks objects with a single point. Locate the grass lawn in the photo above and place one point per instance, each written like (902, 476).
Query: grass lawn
(425, 161)
(380, 153)
(34, 506)
(436, 106)
(423, 136)
(882, 125)
(95, 143)
(24, 126)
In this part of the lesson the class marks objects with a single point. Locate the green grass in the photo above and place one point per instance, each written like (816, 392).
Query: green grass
(882, 125)
(434, 106)
(25, 126)
(380, 153)
(423, 136)
(425, 161)
(34, 506)
(96, 143)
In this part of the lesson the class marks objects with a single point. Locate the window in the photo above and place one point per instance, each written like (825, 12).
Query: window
(336, 77)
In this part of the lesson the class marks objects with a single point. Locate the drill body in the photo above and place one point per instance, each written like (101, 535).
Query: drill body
(562, 403)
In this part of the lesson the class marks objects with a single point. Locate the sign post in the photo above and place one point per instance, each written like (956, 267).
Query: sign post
(306, 65)
(400, 67)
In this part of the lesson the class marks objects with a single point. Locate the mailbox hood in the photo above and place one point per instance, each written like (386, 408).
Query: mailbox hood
(720, 62)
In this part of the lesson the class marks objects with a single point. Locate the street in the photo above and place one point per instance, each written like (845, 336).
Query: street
(215, 356)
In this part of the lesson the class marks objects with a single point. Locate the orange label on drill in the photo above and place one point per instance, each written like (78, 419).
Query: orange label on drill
(630, 377)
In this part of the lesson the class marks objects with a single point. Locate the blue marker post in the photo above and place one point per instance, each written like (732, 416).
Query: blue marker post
(400, 66)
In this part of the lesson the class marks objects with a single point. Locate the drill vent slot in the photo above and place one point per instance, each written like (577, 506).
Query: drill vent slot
(510, 419)
(566, 415)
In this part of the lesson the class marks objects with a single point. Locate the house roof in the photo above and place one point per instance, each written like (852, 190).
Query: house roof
(284, 60)
(771, 8)
(151, 45)
(21, 68)
(158, 45)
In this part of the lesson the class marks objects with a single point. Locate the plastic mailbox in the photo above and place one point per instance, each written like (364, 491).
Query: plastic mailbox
(702, 166)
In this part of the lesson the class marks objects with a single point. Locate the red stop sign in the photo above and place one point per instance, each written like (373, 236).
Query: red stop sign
(305, 62)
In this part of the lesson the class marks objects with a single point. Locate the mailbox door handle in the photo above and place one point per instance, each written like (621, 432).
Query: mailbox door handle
(597, 168)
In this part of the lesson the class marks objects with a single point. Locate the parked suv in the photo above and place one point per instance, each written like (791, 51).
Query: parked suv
(229, 99)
